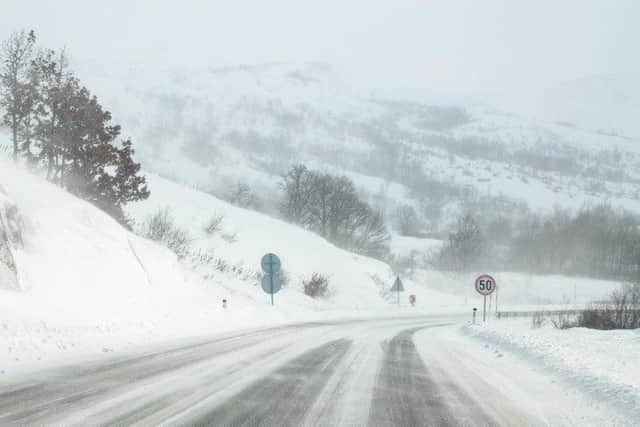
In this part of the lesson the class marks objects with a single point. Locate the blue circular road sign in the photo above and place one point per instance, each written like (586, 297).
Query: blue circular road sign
(270, 263)
(271, 283)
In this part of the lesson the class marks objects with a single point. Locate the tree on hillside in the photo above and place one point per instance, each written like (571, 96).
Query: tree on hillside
(297, 186)
(88, 161)
(244, 197)
(28, 126)
(329, 205)
(407, 220)
(372, 238)
(15, 58)
(59, 126)
(464, 247)
(57, 86)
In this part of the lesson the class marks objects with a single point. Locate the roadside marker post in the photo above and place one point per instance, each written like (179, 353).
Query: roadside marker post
(485, 285)
(271, 266)
(474, 315)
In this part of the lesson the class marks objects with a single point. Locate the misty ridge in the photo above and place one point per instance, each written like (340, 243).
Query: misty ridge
(297, 142)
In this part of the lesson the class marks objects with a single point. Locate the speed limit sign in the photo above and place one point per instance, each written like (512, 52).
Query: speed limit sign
(485, 285)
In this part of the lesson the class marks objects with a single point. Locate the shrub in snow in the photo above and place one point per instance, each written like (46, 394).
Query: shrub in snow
(285, 278)
(622, 311)
(230, 237)
(161, 227)
(213, 225)
(538, 320)
(244, 197)
(317, 286)
(563, 321)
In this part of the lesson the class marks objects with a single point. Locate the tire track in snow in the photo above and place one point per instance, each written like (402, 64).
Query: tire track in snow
(404, 393)
(285, 396)
(72, 388)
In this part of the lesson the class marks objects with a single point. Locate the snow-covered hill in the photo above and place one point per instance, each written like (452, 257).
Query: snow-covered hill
(213, 128)
(79, 281)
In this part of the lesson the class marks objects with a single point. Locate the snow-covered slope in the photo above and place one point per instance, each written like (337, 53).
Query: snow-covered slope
(81, 282)
(214, 128)
(243, 236)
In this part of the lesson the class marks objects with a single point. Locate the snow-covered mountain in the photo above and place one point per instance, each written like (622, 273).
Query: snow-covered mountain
(214, 128)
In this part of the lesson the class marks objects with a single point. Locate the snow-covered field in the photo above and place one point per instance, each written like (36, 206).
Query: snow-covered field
(602, 364)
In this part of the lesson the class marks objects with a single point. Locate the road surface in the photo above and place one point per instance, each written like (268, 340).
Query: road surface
(401, 372)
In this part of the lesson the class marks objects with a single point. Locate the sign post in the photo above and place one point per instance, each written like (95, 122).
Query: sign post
(485, 285)
(397, 287)
(271, 282)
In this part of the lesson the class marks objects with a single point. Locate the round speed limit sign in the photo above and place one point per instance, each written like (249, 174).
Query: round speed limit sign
(485, 285)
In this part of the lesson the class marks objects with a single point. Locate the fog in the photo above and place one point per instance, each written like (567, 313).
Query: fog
(463, 46)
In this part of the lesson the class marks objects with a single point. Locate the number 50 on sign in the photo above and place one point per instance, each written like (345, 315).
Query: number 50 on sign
(485, 285)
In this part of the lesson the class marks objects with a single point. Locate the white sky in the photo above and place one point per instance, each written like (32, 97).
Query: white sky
(457, 45)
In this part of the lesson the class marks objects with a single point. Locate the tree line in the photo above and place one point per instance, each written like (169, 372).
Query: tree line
(598, 241)
(59, 127)
(330, 206)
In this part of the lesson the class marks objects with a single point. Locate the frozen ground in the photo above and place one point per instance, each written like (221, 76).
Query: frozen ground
(602, 364)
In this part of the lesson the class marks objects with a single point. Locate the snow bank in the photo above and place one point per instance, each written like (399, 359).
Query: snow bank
(601, 363)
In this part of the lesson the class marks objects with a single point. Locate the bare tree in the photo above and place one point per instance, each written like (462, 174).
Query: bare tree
(297, 185)
(15, 58)
(329, 205)
(244, 197)
(464, 247)
(407, 220)
(373, 238)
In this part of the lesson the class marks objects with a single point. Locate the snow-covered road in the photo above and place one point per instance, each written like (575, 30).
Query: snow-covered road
(401, 372)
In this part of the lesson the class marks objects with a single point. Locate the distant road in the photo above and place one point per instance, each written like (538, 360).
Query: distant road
(401, 372)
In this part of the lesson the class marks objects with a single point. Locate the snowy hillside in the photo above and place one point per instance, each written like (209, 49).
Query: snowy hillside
(78, 280)
(243, 236)
(214, 128)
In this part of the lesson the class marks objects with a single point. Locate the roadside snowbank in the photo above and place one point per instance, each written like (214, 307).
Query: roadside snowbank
(601, 363)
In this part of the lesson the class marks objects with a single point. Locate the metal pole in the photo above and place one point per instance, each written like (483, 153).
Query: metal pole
(496, 297)
(271, 284)
(484, 310)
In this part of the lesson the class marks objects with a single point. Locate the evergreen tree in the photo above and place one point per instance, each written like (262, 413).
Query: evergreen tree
(15, 57)
(59, 125)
